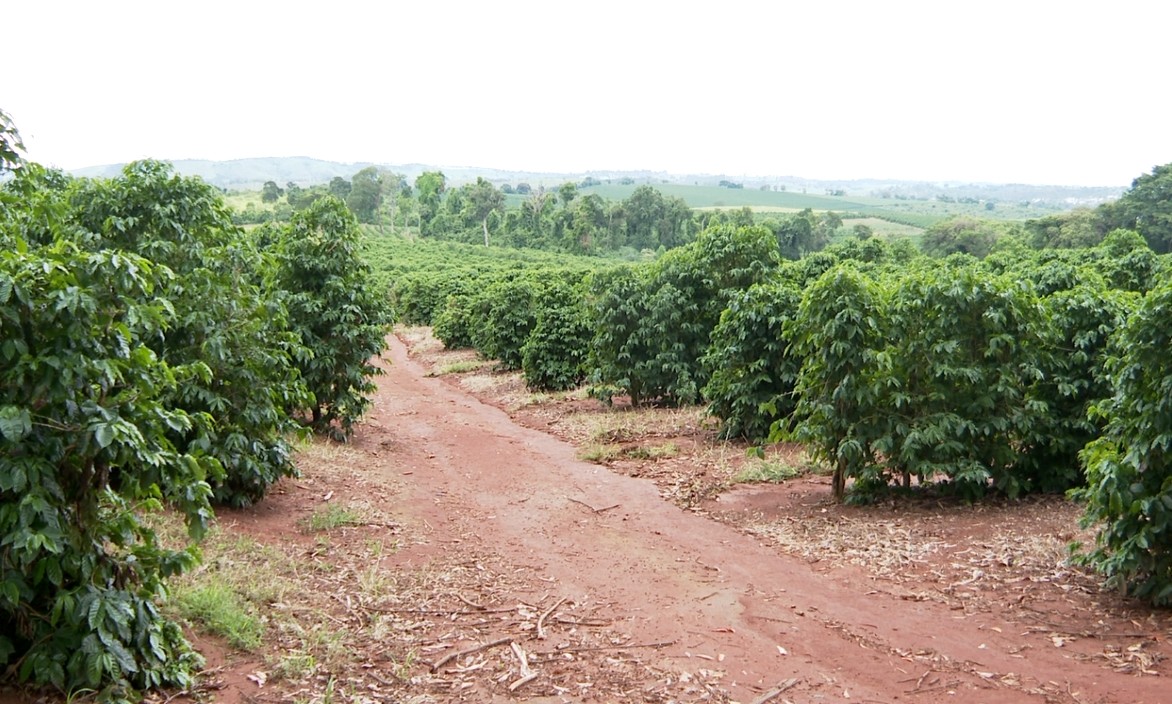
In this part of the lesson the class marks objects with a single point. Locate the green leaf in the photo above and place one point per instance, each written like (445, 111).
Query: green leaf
(104, 434)
(125, 660)
(15, 423)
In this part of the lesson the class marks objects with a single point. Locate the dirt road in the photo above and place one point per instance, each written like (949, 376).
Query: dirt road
(688, 593)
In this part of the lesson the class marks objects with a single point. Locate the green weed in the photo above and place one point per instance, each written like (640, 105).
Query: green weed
(294, 666)
(600, 453)
(653, 452)
(467, 365)
(332, 516)
(770, 471)
(220, 610)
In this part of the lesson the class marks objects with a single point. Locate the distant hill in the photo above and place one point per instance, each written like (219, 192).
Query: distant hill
(250, 174)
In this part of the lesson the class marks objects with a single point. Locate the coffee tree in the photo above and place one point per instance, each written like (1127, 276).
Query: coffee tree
(554, 355)
(1073, 378)
(653, 329)
(228, 318)
(455, 321)
(1129, 468)
(963, 351)
(839, 334)
(335, 309)
(750, 368)
(86, 446)
(505, 312)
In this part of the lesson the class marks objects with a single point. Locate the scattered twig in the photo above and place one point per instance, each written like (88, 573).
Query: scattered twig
(468, 651)
(590, 623)
(473, 604)
(933, 688)
(776, 691)
(527, 674)
(591, 648)
(440, 612)
(920, 681)
(1055, 630)
(595, 510)
(707, 567)
(544, 614)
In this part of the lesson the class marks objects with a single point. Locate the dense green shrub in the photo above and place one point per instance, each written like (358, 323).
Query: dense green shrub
(839, 334)
(84, 450)
(943, 372)
(228, 318)
(505, 315)
(652, 331)
(1129, 468)
(456, 321)
(751, 372)
(419, 297)
(146, 356)
(622, 346)
(1127, 261)
(335, 309)
(964, 349)
(1081, 321)
(554, 356)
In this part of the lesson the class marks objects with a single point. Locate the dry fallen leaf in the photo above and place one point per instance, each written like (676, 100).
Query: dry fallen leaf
(782, 650)
(259, 677)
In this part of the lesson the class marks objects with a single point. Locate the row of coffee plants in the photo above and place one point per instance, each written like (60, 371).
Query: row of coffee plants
(422, 273)
(969, 376)
(1028, 371)
(151, 352)
(948, 371)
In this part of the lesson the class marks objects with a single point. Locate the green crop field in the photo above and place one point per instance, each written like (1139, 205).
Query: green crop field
(239, 200)
(716, 196)
(885, 228)
(915, 213)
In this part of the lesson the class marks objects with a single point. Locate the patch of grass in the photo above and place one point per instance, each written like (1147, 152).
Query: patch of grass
(294, 666)
(403, 669)
(220, 610)
(622, 425)
(461, 367)
(767, 471)
(652, 452)
(600, 453)
(332, 516)
(537, 398)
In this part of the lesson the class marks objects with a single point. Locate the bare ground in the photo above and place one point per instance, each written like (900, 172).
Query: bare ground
(482, 560)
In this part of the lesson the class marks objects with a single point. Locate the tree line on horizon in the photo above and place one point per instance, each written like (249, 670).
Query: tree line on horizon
(571, 219)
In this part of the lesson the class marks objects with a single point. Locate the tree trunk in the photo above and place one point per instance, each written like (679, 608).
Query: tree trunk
(484, 224)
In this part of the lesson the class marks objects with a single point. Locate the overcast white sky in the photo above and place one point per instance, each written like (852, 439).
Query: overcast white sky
(1025, 91)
